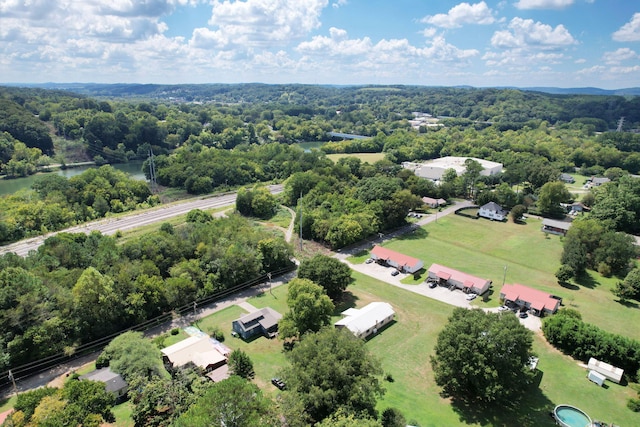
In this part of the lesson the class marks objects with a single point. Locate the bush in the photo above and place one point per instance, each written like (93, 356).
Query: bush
(634, 404)
(102, 361)
(175, 331)
(216, 332)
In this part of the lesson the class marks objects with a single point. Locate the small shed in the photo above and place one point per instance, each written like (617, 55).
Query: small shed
(261, 322)
(596, 377)
(555, 227)
(395, 259)
(433, 203)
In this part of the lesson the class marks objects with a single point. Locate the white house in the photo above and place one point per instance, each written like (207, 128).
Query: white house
(492, 211)
(367, 320)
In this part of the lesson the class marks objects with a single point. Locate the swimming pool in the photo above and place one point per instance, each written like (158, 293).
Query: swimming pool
(569, 416)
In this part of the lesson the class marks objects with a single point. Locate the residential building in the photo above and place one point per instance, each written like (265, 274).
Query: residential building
(203, 351)
(451, 278)
(113, 382)
(402, 262)
(367, 320)
(433, 203)
(538, 302)
(262, 322)
(565, 177)
(492, 211)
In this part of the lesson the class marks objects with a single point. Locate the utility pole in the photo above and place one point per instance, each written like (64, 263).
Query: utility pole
(504, 277)
(13, 381)
(269, 276)
(620, 123)
(152, 171)
(300, 202)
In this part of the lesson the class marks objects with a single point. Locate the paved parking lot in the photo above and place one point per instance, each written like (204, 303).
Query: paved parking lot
(440, 293)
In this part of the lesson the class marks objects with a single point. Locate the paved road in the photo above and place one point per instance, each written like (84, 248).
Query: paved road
(110, 226)
(456, 298)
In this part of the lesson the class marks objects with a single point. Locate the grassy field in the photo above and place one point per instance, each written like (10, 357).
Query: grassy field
(365, 157)
(530, 258)
(405, 347)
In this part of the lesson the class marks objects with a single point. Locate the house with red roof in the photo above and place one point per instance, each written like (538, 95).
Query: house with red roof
(402, 262)
(449, 277)
(539, 302)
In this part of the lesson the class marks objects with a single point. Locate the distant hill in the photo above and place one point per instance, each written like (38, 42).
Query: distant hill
(170, 90)
(632, 91)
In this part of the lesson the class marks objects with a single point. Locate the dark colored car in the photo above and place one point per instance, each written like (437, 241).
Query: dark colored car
(524, 315)
(278, 383)
(432, 285)
(395, 272)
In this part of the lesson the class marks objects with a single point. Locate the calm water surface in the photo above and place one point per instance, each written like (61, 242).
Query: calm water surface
(9, 186)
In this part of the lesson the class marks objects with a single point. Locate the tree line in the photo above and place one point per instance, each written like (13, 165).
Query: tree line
(77, 288)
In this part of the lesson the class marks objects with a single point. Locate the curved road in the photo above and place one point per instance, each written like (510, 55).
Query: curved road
(110, 226)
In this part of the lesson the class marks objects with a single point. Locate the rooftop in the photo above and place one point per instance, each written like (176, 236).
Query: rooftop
(539, 300)
(447, 273)
(360, 320)
(383, 253)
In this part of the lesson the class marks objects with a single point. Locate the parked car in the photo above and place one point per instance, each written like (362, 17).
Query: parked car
(503, 308)
(523, 315)
(278, 383)
(395, 272)
(432, 285)
(471, 297)
(369, 261)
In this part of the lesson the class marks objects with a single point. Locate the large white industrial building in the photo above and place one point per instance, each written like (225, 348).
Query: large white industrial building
(435, 169)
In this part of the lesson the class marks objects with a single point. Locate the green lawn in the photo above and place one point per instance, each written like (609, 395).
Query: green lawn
(404, 349)
(483, 248)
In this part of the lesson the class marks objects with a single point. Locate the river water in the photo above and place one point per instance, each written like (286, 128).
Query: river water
(9, 186)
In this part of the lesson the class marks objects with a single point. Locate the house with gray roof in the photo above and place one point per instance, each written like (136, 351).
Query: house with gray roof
(262, 322)
(113, 382)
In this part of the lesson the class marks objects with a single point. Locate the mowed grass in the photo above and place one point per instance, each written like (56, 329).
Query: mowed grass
(405, 347)
(484, 248)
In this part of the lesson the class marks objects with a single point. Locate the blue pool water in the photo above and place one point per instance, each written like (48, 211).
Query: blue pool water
(571, 417)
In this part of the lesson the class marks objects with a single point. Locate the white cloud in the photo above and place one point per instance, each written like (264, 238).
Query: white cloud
(429, 32)
(580, 61)
(543, 4)
(265, 22)
(526, 34)
(622, 54)
(463, 13)
(336, 4)
(629, 32)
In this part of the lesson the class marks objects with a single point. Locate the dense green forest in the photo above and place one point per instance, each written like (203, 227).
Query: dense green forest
(78, 288)
(229, 136)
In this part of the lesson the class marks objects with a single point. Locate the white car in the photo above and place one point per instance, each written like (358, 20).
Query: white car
(471, 297)
(503, 308)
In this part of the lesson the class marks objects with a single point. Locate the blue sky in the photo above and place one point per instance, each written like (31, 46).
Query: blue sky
(563, 43)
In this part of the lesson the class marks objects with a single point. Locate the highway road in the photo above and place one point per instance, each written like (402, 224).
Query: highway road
(109, 226)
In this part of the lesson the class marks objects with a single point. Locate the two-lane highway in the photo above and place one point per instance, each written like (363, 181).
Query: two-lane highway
(110, 226)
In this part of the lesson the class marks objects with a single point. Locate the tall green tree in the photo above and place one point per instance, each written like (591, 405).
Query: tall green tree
(133, 356)
(309, 309)
(483, 357)
(332, 370)
(241, 364)
(233, 402)
(550, 197)
(334, 276)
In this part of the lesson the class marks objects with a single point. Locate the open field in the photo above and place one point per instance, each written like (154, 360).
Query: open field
(365, 157)
(404, 349)
(483, 248)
